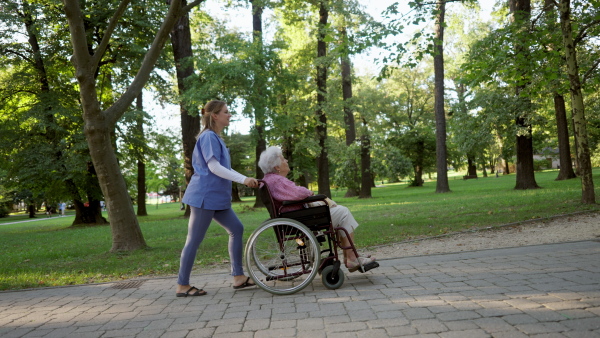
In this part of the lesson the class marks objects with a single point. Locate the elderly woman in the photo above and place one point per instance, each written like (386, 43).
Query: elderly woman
(276, 168)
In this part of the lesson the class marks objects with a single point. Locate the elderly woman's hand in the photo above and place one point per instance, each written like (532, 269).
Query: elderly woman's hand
(251, 182)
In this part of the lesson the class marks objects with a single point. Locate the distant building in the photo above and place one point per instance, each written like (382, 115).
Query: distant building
(549, 154)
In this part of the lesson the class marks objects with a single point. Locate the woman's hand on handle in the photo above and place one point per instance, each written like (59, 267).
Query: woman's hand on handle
(251, 182)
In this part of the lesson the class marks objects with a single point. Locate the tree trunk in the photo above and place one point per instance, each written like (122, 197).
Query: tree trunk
(583, 154)
(257, 98)
(521, 13)
(235, 193)
(442, 185)
(181, 42)
(471, 167)
(418, 165)
(31, 210)
(322, 159)
(141, 164)
(88, 214)
(366, 182)
(566, 165)
(525, 170)
(348, 113)
(564, 148)
(126, 233)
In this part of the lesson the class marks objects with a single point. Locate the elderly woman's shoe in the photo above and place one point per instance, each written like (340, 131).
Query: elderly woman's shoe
(359, 263)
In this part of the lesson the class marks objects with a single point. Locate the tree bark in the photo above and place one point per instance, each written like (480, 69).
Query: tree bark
(349, 122)
(564, 148)
(181, 41)
(235, 193)
(471, 167)
(442, 185)
(322, 159)
(583, 154)
(418, 165)
(258, 101)
(126, 232)
(366, 182)
(525, 178)
(141, 164)
(566, 165)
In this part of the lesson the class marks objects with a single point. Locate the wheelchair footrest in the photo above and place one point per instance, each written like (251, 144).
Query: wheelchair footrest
(368, 267)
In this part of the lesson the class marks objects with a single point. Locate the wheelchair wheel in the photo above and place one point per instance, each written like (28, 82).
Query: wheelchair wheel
(332, 282)
(282, 256)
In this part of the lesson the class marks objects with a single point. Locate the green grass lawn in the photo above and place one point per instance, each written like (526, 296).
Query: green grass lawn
(50, 252)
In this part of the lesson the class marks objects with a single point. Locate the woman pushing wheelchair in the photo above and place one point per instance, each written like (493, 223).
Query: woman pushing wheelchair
(276, 168)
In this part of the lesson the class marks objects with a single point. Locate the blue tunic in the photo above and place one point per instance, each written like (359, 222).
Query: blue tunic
(207, 190)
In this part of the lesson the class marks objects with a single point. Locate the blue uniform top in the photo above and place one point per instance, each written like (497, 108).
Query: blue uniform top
(207, 190)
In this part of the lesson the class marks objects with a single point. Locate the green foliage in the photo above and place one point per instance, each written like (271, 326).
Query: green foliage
(539, 165)
(346, 172)
(389, 163)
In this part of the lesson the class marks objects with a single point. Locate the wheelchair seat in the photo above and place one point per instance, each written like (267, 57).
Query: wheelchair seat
(315, 218)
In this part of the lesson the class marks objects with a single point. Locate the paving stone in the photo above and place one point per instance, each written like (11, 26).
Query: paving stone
(311, 334)
(175, 334)
(290, 332)
(121, 332)
(475, 333)
(418, 313)
(582, 324)
(498, 312)
(429, 326)
(566, 305)
(493, 325)
(582, 334)
(544, 328)
(346, 327)
(256, 324)
(401, 331)
(519, 319)
(539, 291)
(510, 334)
(461, 325)
(201, 333)
(240, 335)
(457, 315)
(545, 315)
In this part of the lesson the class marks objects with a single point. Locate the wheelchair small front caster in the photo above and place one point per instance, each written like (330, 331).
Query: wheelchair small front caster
(331, 278)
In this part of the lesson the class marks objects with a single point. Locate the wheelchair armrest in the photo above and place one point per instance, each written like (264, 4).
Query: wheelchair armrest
(306, 200)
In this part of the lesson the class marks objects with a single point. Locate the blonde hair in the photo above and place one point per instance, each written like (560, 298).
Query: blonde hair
(212, 107)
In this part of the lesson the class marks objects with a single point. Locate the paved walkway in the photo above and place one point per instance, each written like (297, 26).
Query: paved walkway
(547, 290)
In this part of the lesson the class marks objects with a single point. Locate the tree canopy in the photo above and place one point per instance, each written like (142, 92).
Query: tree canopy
(70, 129)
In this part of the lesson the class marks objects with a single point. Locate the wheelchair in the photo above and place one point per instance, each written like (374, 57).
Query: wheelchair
(285, 253)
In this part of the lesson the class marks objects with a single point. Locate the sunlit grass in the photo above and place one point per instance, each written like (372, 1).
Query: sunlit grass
(50, 252)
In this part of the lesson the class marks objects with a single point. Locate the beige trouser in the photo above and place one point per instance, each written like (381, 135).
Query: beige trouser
(341, 217)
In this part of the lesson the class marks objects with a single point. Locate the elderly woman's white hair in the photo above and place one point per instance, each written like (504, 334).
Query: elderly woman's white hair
(269, 159)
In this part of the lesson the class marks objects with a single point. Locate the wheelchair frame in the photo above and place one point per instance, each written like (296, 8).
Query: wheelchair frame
(287, 251)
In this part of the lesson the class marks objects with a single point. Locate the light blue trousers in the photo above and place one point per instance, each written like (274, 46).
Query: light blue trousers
(197, 226)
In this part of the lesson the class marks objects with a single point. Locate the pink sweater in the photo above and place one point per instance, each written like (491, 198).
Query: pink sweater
(283, 189)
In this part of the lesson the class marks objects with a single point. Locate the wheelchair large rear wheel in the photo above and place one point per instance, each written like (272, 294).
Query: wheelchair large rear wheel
(282, 256)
